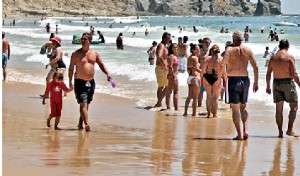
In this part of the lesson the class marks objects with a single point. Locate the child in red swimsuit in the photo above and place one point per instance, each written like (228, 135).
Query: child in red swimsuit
(55, 88)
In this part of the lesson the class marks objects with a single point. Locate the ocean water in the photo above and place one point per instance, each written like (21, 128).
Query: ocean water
(134, 77)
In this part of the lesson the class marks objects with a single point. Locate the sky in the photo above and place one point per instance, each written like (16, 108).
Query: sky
(288, 6)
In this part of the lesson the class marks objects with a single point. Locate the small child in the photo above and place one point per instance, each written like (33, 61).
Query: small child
(55, 87)
(266, 52)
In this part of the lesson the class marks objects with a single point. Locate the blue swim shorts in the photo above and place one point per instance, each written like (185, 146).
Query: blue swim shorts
(4, 60)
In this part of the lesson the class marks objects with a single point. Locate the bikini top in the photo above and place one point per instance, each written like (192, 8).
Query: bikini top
(176, 63)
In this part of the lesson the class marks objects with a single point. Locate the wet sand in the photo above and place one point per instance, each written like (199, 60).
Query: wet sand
(129, 140)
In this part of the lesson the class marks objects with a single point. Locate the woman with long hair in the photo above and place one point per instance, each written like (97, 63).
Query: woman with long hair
(172, 76)
(193, 80)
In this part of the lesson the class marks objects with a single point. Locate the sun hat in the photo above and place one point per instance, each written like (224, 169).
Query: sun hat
(57, 39)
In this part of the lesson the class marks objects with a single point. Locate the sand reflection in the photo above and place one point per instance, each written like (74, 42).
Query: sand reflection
(81, 157)
(283, 165)
(162, 153)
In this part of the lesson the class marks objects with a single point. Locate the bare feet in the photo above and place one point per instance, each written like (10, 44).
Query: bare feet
(157, 105)
(48, 122)
(292, 133)
(238, 138)
(280, 134)
(185, 114)
(80, 127)
(57, 128)
(87, 128)
(246, 135)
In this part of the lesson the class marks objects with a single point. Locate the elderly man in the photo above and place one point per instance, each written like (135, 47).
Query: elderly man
(282, 65)
(237, 59)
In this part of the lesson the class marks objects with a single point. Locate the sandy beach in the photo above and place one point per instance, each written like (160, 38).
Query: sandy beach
(129, 140)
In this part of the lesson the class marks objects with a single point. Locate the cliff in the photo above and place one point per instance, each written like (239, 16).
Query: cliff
(139, 7)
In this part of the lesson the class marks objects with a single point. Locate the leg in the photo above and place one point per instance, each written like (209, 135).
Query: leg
(279, 117)
(4, 73)
(84, 115)
(244, 115)
(208, 100)
(187, 101)
(292, 117)
(168, 96)
(48, 120)
(158, 94)
(175, 99)
(236, 117)
(80, 123)
(200, 97)
(215, 95)
(195, 94)
(57, 119)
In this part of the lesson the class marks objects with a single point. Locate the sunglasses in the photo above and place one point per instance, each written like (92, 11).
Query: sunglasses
(84, 39)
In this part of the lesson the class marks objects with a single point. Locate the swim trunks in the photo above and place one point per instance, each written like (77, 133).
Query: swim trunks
(182, 64)
(84, 90)
(284, 90)
(4, 60)
(237, 89)
(161, 76)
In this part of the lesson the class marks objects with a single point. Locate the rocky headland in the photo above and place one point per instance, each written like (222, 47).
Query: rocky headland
(140, 7)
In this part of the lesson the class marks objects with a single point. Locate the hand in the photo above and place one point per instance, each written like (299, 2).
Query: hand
(43, 101)
(108, 77)
(71, 88)
(255, 87)
(268, 90)
(46, 66)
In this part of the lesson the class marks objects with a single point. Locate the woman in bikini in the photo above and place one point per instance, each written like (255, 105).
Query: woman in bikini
(193, 80)
(172, 76)
(212, 73)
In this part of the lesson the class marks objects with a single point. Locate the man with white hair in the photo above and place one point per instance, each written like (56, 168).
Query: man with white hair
(237, 59)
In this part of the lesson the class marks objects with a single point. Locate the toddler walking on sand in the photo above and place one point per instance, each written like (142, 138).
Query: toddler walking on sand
(55, 88)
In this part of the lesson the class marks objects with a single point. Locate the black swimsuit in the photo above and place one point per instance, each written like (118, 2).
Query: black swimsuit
(211, 78)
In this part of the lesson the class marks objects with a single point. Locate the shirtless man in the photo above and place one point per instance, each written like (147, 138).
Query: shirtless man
(283, 67)
(236, 59)
(5, 55)
(84, 60)
(182, 54)
(203, 50)
(161, 69)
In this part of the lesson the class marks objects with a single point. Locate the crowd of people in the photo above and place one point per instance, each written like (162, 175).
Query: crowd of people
(208, 71)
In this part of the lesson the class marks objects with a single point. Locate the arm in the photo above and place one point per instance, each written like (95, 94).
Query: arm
(64, 87)
(268, 77)
(170, 60)
(293, 71)
(71, 69)
(46, 94)
(102, 66)
(255, 69)
(59, 53)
